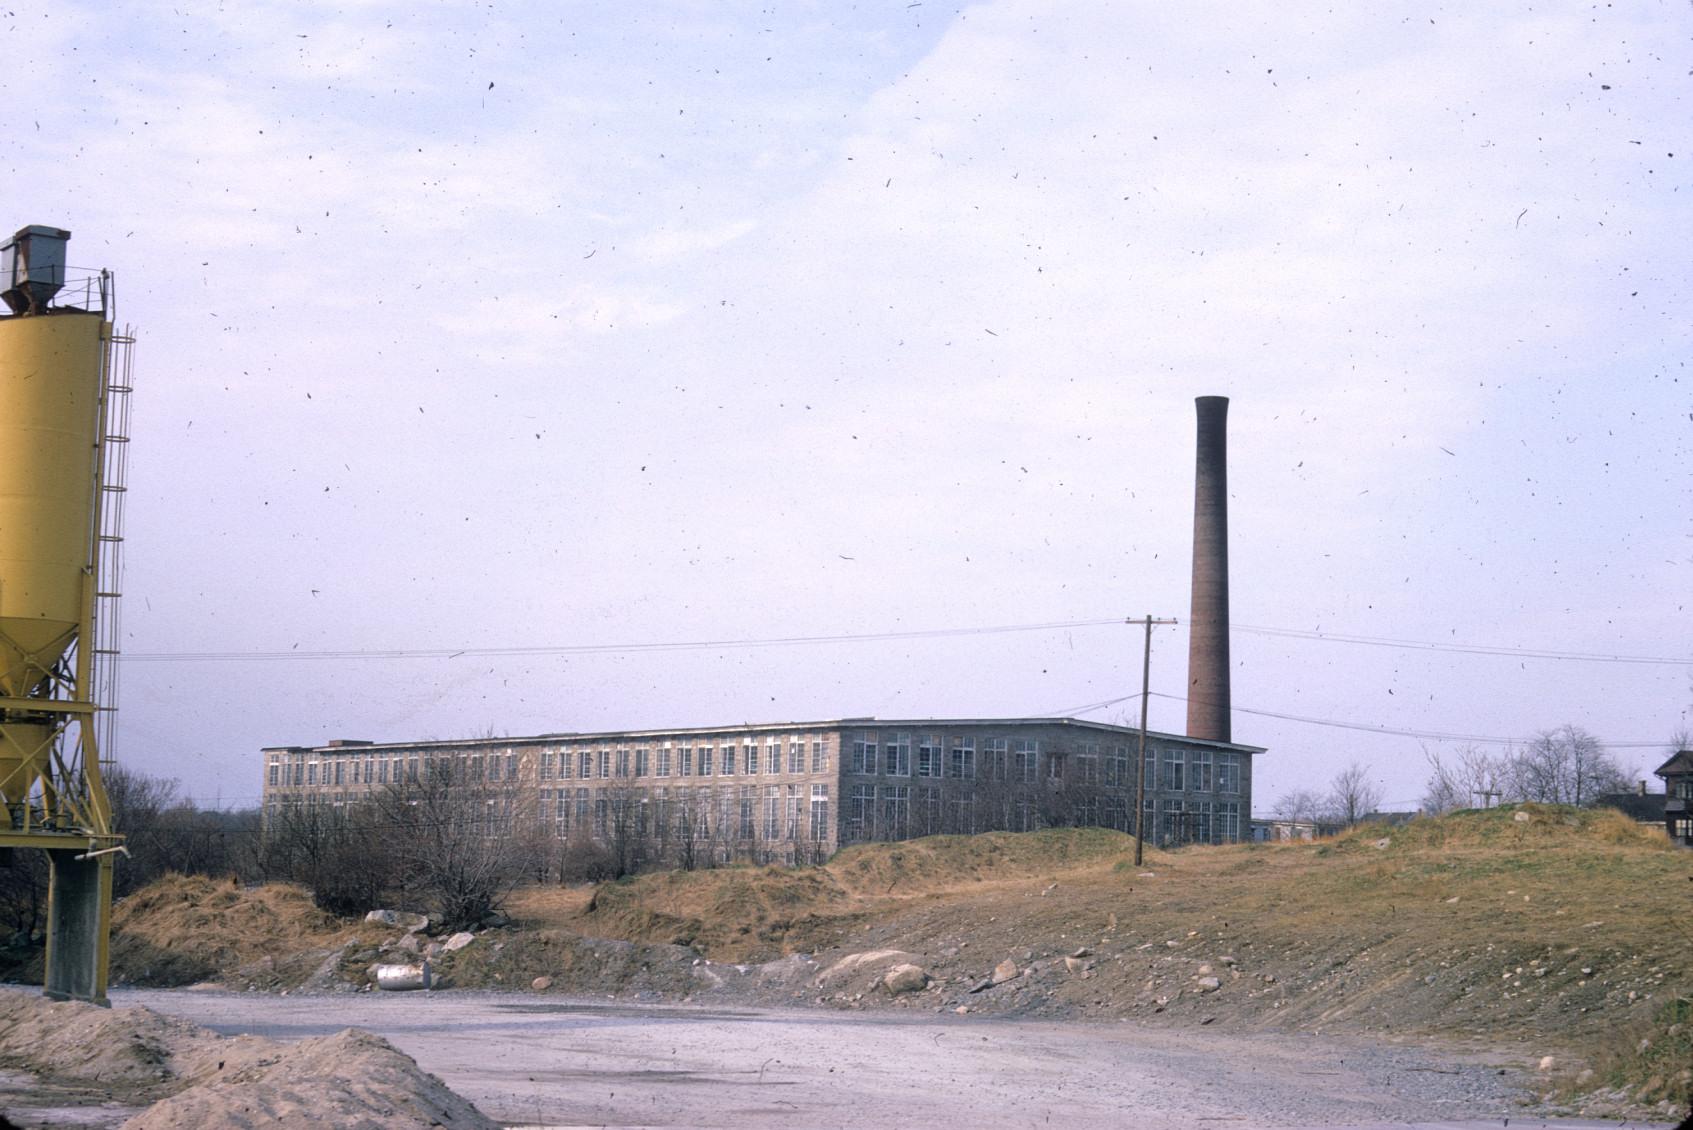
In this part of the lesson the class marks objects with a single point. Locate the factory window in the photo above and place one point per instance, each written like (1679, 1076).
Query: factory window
(1174, 826)
(1055, 766)
(1022, 813)
(929, 755)
(511, 766)
(340, 771)
(641, 761)
(1228, 774)
(996, 758)
(605, 763)
(772, 812)
(1087, 765)
(896, 755)
(355, 770)
(311, 773)
(602, 818)
(819, 813)
(581, 808)
(1149, 768)
(896, 812)
(791, 822)
(1116, 813)
(1199, 770)
(705, 760)
(562, 815)
(546, 765)
(1024, 757)
(963, 763)
(796, 756)
(622, 761)
(1228, 821)
(493, 767)
(299, 768)
(727, 768)
(662, 769)
(476, 768)
(963, 811)
(863, 752)
(1199, 821)
(1173, 770)
(546, 806)
(585, 764)
(275, 772)
(685, 761)
(1117, 767)
(773, 756)
(861, 803)
(928, 811)
(748, 798)
(819, 756)
(751, 751)
(566, 759)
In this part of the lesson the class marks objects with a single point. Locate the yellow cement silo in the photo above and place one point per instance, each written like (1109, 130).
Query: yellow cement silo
(51, 372)
(56, 445)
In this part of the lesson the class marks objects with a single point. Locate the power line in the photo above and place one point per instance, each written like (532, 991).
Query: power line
(606, 649)
(1431, 735)
(1462, 648)
(872, 637)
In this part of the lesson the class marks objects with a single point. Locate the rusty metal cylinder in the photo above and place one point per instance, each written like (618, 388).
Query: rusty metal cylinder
(1208, 625)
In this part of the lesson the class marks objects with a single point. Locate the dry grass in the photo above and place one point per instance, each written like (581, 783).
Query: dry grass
(183, 929)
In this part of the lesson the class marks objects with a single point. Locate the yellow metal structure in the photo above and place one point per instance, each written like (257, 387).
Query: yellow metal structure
(55, 391)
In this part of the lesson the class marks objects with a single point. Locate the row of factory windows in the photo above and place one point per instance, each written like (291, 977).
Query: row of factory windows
(896, 812)
(893, 754)
(1023, 760)
(727, 759)
(741, 813)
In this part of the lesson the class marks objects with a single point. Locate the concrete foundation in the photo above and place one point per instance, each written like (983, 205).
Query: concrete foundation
(79, 912)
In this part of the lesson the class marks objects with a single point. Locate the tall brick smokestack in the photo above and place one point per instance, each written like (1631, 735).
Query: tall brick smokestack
(1208, 627)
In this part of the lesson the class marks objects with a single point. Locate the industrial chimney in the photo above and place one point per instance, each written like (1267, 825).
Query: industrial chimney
(1208, 627)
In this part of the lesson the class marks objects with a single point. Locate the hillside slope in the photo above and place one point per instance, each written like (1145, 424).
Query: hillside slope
(1557, 931)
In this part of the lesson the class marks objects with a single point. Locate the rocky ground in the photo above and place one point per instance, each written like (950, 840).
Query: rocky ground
(1543, 935)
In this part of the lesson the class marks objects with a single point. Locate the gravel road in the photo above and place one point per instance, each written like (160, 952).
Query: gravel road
(537, 1061)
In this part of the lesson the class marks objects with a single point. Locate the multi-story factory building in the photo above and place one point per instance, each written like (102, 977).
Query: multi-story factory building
(797, 791)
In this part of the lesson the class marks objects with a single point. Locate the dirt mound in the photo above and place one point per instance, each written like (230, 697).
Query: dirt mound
(262, 937)
(197, 1078)
(349, 1079)
(752, 914)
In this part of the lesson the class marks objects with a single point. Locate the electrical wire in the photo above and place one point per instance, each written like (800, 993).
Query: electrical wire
(1460, 648)
(609, 649)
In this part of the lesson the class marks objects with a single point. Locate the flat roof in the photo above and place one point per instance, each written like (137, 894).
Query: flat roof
(856, 723)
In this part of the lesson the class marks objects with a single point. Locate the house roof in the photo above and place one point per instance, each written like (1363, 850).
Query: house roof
(1647, 808)
(1680, 763)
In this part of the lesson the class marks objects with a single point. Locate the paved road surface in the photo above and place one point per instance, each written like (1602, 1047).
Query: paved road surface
(538, 1061)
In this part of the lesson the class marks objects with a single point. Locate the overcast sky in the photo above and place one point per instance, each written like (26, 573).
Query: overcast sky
(549, 325)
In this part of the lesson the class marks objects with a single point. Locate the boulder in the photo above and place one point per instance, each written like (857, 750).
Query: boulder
(458, 941)
(1004, 971)
(1207, 984)
(541, 984)
(401, 919)
(904, 978)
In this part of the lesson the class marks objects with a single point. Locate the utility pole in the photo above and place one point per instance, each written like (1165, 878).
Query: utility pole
(1140, 760)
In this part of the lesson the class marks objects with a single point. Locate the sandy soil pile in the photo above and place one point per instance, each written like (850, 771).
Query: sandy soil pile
(196, 1078)
(268, 937)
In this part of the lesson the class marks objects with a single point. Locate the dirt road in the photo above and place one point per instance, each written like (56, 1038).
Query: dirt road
(543, 1062)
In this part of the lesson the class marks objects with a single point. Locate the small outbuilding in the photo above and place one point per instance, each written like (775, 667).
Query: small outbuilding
(1677, 775)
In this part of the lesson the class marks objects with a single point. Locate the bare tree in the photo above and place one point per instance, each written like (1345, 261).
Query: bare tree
(1472, 777)
(1567, 765)
(458, 846)
(1352, 795)
(1302, 805)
